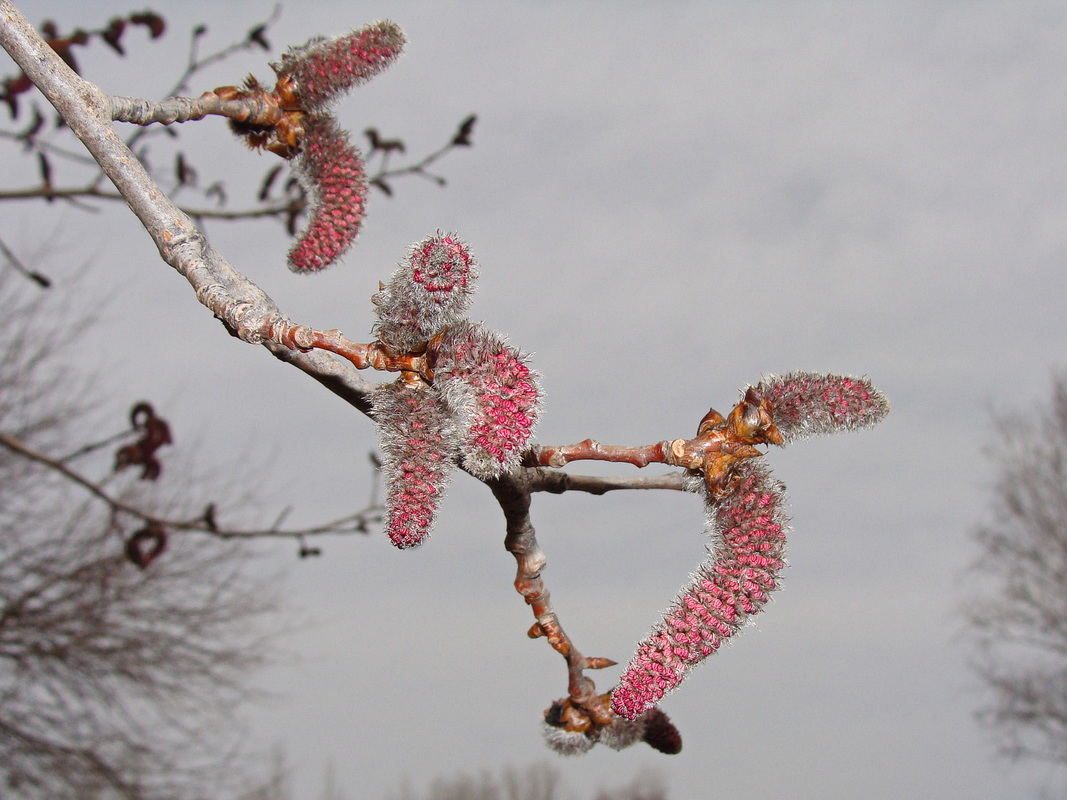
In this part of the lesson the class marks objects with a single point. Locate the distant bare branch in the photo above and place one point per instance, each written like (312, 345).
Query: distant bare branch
(357, 522)
(1020, 624)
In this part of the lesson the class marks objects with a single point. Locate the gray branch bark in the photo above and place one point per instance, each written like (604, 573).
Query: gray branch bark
(174, 109)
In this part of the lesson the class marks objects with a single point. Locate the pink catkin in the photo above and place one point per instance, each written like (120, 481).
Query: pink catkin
(324, 69)
(481, 404)
(809, 403)
(331, 171)
(442, 266)
(494, 394)
(418, 445)
(429, 292)
(749, 526)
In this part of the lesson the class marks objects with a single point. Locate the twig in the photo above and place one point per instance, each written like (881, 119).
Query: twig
(592, 450)
(418, 168)
(513, 494)
(22, 269)
(98, 445)
(721, 442)
(36, 144)
(357, 522)
(557, 482)
(189, 109)
(54, 193)
(195, 63)
(254, 38)
(235, 300)
(92, 191)
(362, 356)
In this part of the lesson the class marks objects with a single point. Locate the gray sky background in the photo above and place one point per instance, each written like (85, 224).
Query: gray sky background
(667, 200)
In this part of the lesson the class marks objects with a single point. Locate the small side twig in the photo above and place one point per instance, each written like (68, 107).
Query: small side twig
(592, 450)
(721, 442)
(362, 356)
(205, 522)
(195, 62)
(557, 482)
(461, 138)
(513, 494)
(17, 265)
(138, 111)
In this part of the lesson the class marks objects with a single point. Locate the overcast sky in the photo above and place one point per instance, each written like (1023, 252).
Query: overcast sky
(667, 199)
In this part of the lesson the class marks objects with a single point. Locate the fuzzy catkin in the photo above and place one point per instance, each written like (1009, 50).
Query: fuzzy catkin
(748, 526)
(331, 171)
(564, 742)
(418, 441)
(430, 291)
(652, 727)
(810, 403)
(477, 403)
(324, 69)
(494, 396)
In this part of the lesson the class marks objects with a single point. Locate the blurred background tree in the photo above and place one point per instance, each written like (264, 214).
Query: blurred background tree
(1019, 623)
(115, 680)
(127, 652)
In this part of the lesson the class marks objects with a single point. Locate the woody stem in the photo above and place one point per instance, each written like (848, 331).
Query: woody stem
(513, 494)
(251, 109)
(592, 450)
(362, 356)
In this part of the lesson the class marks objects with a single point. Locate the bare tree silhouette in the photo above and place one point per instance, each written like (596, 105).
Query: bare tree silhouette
(115, 680)
(1020, 623)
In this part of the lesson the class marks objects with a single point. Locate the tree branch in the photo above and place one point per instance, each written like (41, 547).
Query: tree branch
(188, 109)
(483, 406)
(513, 494)
(205, 523)
(240, 304)
(553, 481)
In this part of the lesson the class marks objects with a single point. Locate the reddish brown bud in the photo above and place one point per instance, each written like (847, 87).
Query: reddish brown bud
(660, 733)
(145, 546)
(154, 433)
